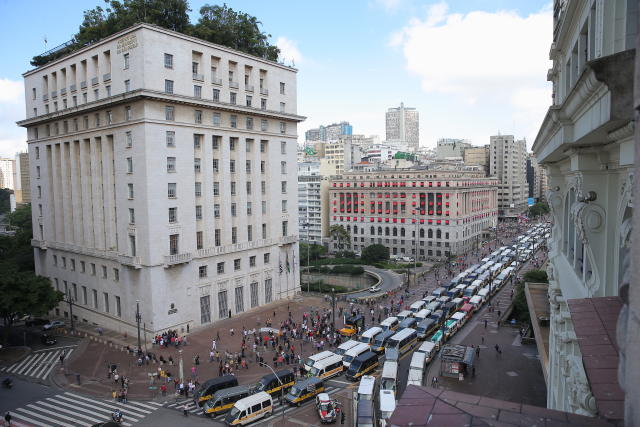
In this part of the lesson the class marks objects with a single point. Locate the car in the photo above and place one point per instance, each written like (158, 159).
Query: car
(328, 408)
(53, 325)
(374, 288)
(35, 321)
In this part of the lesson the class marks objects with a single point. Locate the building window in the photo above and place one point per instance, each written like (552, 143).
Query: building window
(198, 189)
(129, 164)
(216, 120)
(232, 144)
(109, 118)
(282, 107)
(202, 271)
(284, 206)
(104, 271)
(249, 187)
(249, 98)
(247, 166)
(171, 190)
(168, 86)
(283, 128)
(173, 244)
(216, 188)
(216, 95)
(236, 264)
(168, 60)
(118, 307)
(266, 258)
(263, 166)
(264, 125)
(129, 139)
(252, 261)
(95, 298)
(130, 188)
(216, 167)
(232, 166)
(283, 147)
(264, 207)
(217, 237)
(171, 164)
(220, 268)
(263, 104)
(249, 123)
(234, 210)
(84, 295)
(132, 216)
(168, 113)
(233, 188)
(283, 168)
(216, 210)
(128, 115)
(199, 240)
(264, 231)
(197, 91)
(283, 187)
(171, 138)
(263, 187)
(197, 115)
(116, 275)
(234, 235)
(127, 86)
(234, 121)
(93, 269)
(196, 165)
(173, 215)
(250, 233)
(83, 267)
(281, 88)
(285, 228)
(232, 97)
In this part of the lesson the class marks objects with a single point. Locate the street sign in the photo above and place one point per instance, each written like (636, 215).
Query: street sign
(530, 201)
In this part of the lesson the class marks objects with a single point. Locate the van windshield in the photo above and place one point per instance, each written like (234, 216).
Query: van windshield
(355, 365)
(315, 371)
(295, 391)
(378, 342)
(309, 361)
(348, 358)
(388, 384)
(234, 413)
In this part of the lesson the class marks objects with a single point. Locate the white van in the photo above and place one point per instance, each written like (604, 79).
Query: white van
(404, 314)
(311, 360)
(484, 293)
(476, 301)
(389, 377)
(422, 314)
(429, 349)
(417, 306)
(250, 409)
(387, 406)
(460, 317)
(327, 368)
(390, 323)
(416, 369)
(354, 352)
(369, 335)
(346, 346)
(367, 388)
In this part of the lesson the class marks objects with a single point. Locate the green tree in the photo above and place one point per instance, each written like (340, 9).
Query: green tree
(341, 235)
(17, 249)
(5, 204)
(375, 253)
(536, 276)
(311, 252)
(238, 30)
(22, 292)
(540, 208)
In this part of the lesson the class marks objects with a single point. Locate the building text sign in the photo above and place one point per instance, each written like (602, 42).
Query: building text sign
(128, 42)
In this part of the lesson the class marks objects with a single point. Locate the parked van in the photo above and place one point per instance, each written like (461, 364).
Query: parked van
(381, 340)
(390, 323)
(223, 400)
(387, 406)
(327, 368)
(276, 384)
(476, 301)
(346, 346)
(364, 364)
(439, 292)
(311, 360)
(416, 369)
(404, 314)
(366, 414)
(484, 293)
(460, 317)
(250, 409)
(437, 339)
(417, 306)
(422, 314)
(458, 302)
(426, 328)
(367, 388)
(438, 316)
(354, 352)
(389, 377)
(433, 306)
(369, 335)
(304, 390)
(409, 322)
(471, 290)
(208, 389)
(429, 349)
(429, 299)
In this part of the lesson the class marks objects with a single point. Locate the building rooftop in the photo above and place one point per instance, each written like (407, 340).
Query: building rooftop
(425, 406)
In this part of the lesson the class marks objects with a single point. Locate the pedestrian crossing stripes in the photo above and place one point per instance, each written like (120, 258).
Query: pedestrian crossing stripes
(73, 410)
(39, 364)
(193, 409)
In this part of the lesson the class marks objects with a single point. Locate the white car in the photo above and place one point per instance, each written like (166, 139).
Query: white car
(374, 288)
(53, 324)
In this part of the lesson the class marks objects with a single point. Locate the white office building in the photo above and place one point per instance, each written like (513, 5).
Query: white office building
(309, 206)
(508, 163)
(7, 173)
(163, 169)
(403, 126)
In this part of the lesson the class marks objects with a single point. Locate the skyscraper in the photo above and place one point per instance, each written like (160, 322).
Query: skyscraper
(403, 125)
(330, 132)
(508, 162)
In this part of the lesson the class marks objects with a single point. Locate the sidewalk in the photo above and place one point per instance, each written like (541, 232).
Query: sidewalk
(96, 353)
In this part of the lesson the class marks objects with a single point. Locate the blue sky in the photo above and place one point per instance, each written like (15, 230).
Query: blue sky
(472, 68)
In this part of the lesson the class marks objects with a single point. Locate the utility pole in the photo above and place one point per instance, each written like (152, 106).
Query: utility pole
(138, 319)
(333, 308)
(71, 302)
(279, 381)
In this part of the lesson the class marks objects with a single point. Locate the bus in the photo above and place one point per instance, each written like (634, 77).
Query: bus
(311, 360)
(437, 339)
(404, 340)
(250, 409)
(354, 352)
(381, 340)
(370, 334)
(208, 389)
(390, 323)
(426, 327)
(417, 306)
(366, 414)
(364, 364)
(346, 346)
(327, 368)
(367, 388)
(404, 314)
(387, 406)
(416, 369)
(389, 377)
(223, 400)
(276, 384)
(304, 390)
(422, 314)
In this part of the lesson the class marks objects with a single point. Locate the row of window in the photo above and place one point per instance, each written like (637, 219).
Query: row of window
(173, 212)
(216, 119)
(203, 270)
(83, 267)
(89, 297)
(197, 165)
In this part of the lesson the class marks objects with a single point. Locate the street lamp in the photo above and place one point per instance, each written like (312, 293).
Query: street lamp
(279, 381)
(333, 308)
(71, 301)
(138, 319)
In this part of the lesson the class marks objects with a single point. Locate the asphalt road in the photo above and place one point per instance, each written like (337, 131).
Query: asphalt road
(22, 393)
(390, 281)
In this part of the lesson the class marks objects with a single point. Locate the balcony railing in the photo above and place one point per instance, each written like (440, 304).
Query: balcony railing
(83, 84)
(106, 77)
(264, 91)
(54, 93)
(72, 88)
(248, 88)
(198, 77)
(45, 97)
(183, 258)
(132, 261)
(233, 84)
(216, 81)
(63, 91)
(288, 239)
(94, 81)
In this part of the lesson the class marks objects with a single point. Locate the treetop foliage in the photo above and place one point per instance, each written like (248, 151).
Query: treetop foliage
(217, 24)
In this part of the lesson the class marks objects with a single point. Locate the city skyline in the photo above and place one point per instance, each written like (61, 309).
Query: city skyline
(451, 104)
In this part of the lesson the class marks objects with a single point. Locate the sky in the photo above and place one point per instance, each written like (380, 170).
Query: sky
(472, 68)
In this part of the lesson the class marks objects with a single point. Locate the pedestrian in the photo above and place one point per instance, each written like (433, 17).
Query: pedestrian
(478, 351)
(7, 418)
(485, 323)
(497, 347)
(434, 382)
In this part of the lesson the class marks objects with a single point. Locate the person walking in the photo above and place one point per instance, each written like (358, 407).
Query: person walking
(478, 351)
(7, 419)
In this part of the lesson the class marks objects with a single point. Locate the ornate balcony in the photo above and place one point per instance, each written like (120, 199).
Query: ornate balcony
(176, 259)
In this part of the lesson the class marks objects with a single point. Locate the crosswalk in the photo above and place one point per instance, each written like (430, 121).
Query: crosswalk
(40, 363)
(73, 410)
(277, 407)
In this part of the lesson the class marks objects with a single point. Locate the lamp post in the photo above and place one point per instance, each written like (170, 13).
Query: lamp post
(333, 308)
(138, 319)
(279, 381)
(71, 302)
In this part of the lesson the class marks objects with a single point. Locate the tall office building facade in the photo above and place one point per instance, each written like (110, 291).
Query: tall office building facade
(309, 205)
(508, 162)
(403, 126)
(163, 170)
(22, 182)
(329, 133)
(7, 173)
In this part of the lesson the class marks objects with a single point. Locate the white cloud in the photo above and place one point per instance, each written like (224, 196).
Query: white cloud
(289, 50)
(12, 137)
(389, 4)
(486, 59)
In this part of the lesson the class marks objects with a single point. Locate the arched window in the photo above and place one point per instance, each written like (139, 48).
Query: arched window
(430, 234)
(373, 230)
(379, 231)
(438, 234)
(402, 232)
(422, 233)
(355, 229)
(395, 231)
(386, 231)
